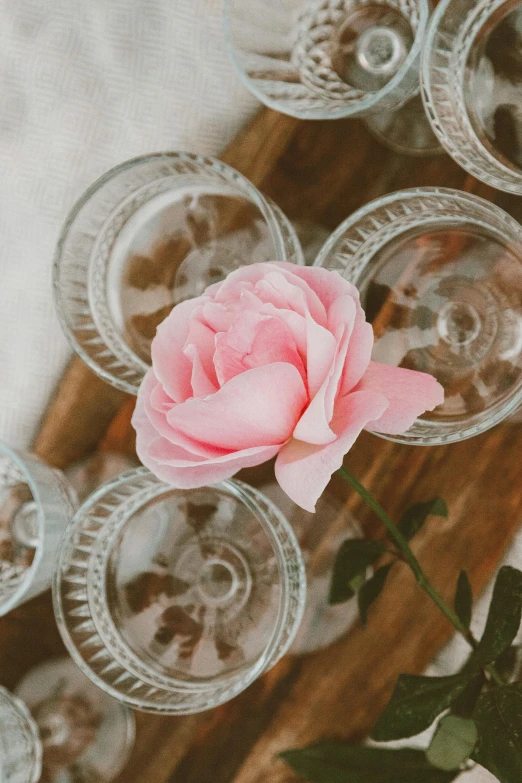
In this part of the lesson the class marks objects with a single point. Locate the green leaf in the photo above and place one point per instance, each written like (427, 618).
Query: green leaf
(498, 716)
(463, 599)
(505, 612)
(465, 703)
(336, 762)
(415, 703)
(414, 517)
(508, 663)
(453, 742)
(353, 558)
(371, 590)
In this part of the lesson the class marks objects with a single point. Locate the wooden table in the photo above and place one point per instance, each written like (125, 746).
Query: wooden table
(319, 171)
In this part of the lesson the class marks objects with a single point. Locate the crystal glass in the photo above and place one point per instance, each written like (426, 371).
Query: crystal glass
(440, 275)
(174, 601)
(83, 735)
(472, 87)
(36, 503)
(325, 59)
(20, 747)
(61, 727)
(148, 234)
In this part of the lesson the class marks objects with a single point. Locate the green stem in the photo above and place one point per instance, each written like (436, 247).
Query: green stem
(402, 544)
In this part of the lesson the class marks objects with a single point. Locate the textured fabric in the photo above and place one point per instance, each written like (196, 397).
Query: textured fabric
(84, 86)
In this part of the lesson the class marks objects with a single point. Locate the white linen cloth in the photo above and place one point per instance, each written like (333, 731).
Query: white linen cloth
(83, 87)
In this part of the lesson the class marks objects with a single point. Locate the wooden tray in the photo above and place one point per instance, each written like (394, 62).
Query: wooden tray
(320, 171)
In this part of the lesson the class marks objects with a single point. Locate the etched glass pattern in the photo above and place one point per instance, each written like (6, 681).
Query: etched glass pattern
(20, 747)
(36, 503)
(440, 275)
(172, 600)
(147, 235)
(471, 77)
(327, 58)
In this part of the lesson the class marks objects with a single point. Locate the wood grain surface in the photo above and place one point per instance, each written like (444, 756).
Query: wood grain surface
(319, 172)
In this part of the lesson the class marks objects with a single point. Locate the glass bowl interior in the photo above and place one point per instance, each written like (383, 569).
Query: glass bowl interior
(440, 276)
(322, 59)
(471, 73)
(146, 236)
(189, 594)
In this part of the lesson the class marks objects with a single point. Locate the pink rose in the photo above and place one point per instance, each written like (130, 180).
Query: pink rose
(275, 359)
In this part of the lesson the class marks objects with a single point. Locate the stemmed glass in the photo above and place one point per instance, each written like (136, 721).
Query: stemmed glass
(440, 275)
(36, 503)
(325, 59)
(174, 601)
(148, 234)
(472, 87)
(60, 727)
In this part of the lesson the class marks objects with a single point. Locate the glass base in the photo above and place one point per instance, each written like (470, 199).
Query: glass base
(406, 130)
(86, 735)
(320, 536)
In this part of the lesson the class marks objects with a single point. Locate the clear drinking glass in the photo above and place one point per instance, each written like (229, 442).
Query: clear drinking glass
(440, 275)
(472, 87)
(60, 726)
(148, 234)
(85, 736)
(173, 601)
(20, 747)
(36, 503)
(325, 59)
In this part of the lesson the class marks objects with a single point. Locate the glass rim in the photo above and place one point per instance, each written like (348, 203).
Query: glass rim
(230, 684)
(444, 131)
(405, 194)
(348, 111)
(236, 180)
(443, 432)
(25, 584)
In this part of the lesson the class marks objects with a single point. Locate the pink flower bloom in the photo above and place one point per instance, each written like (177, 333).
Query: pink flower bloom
(274, 360)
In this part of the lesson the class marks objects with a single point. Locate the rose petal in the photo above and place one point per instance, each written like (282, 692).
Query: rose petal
(146, 436)
(254, 340)
(172, 368)
(201, 383)
(358, 354)
(260, 407)
(210, 471)
(313, 426)
(296, 324)
(329, 285)
(203, 338)
(304, 470)
(278, 283)
(297, 294)
(150, 415)
(320, 351)
(342, 317)
(410, 394)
